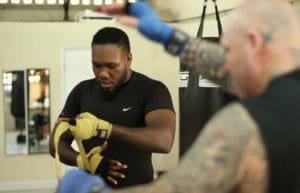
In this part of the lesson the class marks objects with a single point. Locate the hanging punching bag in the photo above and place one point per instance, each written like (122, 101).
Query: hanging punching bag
(201, 98)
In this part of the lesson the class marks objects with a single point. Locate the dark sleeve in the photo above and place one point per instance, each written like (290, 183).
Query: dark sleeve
(158, 97)
(71, 107)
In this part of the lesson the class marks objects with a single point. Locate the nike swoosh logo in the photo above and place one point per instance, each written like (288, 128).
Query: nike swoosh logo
(126, 109)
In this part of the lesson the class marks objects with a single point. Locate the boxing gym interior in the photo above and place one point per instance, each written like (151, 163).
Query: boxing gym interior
(45, 51)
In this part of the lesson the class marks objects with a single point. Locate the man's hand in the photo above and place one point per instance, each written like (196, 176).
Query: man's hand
(109, 169)
(141, 16)
(88, 125)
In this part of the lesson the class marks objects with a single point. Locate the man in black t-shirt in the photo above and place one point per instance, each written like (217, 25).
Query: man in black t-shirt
(138, 110)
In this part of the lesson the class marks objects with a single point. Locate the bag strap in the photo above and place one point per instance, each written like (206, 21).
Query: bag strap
(200, 29)
(219, 25)
(220, 30)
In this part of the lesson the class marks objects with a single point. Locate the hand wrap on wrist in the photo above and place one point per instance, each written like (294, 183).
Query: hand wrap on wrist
(177, 42)
(95, 159)
(59, 131)
(88, 125)
(92, 125)
(80, 163)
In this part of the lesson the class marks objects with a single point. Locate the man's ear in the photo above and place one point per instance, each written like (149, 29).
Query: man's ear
(255, 39)
(257, 43)
(129, 58)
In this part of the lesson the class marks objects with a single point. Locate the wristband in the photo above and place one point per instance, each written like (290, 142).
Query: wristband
(106, 126)
(177, 42)
(88, 125)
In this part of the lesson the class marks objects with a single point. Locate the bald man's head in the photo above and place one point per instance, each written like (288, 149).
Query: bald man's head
(261, 39)
(273, 18)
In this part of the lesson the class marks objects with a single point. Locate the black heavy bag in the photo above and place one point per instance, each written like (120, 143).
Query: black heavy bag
(201, 98)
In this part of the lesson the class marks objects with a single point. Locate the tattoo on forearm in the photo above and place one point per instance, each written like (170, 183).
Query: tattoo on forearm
(215, 162)
(211, 162)
(208, 59)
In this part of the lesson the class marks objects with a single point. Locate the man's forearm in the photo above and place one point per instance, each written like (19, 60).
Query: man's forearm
(67, 154)
(142, 138)
(208, 59)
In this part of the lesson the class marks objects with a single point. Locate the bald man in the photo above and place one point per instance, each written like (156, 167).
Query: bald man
(251, 146)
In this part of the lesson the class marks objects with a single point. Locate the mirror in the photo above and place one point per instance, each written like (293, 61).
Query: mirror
(26, 111)
(14, 112)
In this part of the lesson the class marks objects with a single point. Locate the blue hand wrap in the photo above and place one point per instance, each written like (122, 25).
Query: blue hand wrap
(80, 181)
(150, 24)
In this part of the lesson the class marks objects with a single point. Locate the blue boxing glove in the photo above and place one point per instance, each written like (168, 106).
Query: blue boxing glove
(150, 24)
(80, 181)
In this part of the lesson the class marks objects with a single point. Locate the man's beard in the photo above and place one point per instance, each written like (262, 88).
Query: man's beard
(110, 94)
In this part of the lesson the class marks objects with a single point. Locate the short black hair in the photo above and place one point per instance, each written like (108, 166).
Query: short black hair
(112, 35)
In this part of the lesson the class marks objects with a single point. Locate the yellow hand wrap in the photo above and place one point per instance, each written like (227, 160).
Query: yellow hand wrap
(88, 125)
(95, 158)
(81, 160)
(60, 129)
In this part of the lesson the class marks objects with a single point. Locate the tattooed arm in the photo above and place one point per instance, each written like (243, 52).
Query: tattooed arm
(228, 156)
(207, 58)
